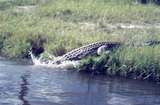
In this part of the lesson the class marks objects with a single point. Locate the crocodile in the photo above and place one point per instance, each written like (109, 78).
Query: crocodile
(96, 48)
(87, 50)
(90, 49)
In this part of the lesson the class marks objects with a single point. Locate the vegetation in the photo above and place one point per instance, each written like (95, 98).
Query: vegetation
(59, 26)
(135, 63)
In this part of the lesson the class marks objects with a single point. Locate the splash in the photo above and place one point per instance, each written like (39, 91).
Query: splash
(40, 61)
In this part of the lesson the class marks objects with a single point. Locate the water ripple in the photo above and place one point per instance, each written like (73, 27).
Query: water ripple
(30, 85)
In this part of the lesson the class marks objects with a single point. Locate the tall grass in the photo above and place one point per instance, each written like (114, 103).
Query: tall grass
(98, 10)
(68, 24)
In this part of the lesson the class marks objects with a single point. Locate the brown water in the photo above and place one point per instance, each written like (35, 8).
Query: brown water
(22, 84)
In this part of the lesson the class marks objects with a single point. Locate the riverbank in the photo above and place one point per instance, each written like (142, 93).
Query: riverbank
(60, 26)
(135, 63)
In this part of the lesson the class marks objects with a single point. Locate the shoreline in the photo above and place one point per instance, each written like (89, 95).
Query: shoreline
(111, 65)
(58, 27)
(96, 65)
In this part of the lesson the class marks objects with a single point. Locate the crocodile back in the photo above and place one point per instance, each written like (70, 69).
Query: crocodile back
(90, 49)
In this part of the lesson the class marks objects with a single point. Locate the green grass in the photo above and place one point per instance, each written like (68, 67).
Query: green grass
(71, 23)
(5, 4)
(100, 10)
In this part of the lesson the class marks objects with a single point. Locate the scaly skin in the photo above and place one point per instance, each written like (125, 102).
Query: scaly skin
(87, 50)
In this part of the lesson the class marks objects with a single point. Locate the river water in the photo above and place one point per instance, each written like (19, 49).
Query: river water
(22, 84)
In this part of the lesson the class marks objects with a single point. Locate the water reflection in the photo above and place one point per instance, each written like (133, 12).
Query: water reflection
(90, 92)
(118, 91)
(24, 89)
